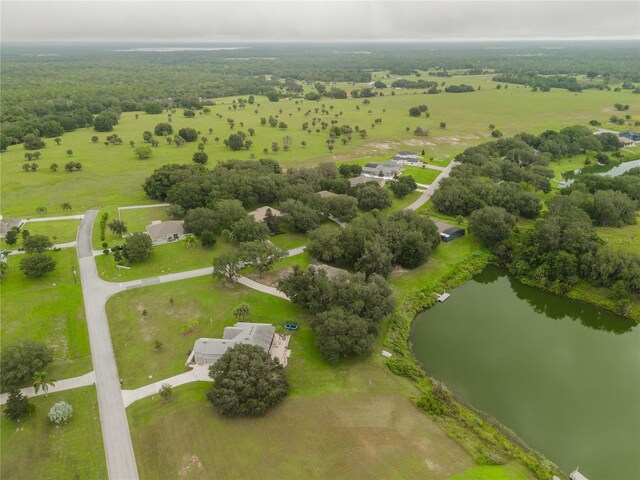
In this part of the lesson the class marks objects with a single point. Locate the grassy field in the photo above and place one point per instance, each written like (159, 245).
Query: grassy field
(626, 238)
(111, 176)
(375, 434)
(138, 219)
(50, 310)
(422, 175)
(36, 448)
(206, 300)
(59, 231)
(167, 258)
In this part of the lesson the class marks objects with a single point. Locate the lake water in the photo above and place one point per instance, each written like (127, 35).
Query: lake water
(611, 170)
(563, 375)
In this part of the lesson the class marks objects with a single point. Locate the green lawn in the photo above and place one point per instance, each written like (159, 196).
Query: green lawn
(401, 203)
(59, 231)
(49, 309)
(626, 238)
(167, 258)
(36, 448)
(375, 434)
(111, 176)
(513, 471)
(422, 175)
(137, 219)
(206, 300)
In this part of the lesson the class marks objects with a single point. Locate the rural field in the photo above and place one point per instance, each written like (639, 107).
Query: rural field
(111, 176)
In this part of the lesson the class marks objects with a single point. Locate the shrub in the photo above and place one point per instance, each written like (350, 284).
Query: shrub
(61, 412)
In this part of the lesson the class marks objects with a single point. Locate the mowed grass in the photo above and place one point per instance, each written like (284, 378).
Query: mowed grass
(512, 471)
(169, 307)
(167, 258)
(37, 448)
(50, 310)
(423, 175)
(137, 219)
(626, 238)
(112, 176)
(376, 434)
(58, 231)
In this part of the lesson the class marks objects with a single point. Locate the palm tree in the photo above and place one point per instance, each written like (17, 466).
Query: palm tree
(190, 241)
(242, 311)
(66, 206)
(41, 380)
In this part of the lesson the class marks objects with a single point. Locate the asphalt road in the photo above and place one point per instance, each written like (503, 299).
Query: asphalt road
(121, 461)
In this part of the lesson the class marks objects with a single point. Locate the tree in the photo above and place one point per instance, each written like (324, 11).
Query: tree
(403, 186)
(415, 112)
(37, 244)
(246, 381)
(235, 142)
(165, 392)
(32, 142)
(228, 212)
(58, 140)
(153, 108)
(37, 264)
(299, 217)
(138, 246)
(261, 255)
(61, 412)
(247, 230)
(143, 152)
(42, 380)
(271, 221)
(491, 224)
(66, 206)
(69, 152)
(371, 196)
(341, 207)
(225, 266)
(444, 125)
(200, 157)
(21, 360)
(207, 239)
(198, 220)
(103, 123)
(11, 237)
(118, 227)
(95, 139)
(188, 134)
(242, 311)
(162, 129)
(53, 167)
(340, 334)
(18, 406)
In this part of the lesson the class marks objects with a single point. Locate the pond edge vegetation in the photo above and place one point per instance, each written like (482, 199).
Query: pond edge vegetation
(483, 437)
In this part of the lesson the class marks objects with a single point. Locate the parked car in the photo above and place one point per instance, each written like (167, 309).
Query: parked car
(117, 248)
(21, 249)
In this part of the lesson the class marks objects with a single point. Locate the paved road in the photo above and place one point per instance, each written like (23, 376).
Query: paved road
(426, 195)
(60, 386)
(57, 245)
(121, 462)
(52, 219)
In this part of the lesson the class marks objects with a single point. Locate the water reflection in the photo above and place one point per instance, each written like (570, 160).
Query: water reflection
(557, 307)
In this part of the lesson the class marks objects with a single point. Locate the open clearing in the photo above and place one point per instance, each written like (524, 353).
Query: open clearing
(111, 176)
(40, 449)
(49, 309)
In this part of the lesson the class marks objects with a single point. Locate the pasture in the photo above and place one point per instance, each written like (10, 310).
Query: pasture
(111, 175)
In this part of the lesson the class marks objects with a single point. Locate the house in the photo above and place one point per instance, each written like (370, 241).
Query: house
(362, 179)
(382, 169)
(260, 213)
(407, 158)
(633, 136)
(209, 350)
(7, 224)
(576, 475)
(448, 232)
(161, 232)
(325, 194)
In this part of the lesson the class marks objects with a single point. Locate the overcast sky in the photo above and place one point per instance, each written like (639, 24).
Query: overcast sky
(236, 21)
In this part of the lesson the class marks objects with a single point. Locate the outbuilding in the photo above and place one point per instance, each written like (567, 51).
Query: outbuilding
(448, 232)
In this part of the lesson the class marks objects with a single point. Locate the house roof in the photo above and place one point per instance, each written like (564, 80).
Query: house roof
(260, 334)
(329, 270)
(405, 154)
(325, 193)
(159, 231)
(212, 346)
(363, 179)
(260, 213)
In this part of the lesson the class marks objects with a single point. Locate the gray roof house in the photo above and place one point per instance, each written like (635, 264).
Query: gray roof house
(448, 232)
(161, 232)
(362, 179)
(382, 169)
(209, 350)
(407, 158)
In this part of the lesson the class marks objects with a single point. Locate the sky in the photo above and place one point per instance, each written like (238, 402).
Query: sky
(322, 20)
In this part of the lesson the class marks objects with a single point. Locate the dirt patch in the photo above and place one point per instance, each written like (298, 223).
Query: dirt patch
(189, 464)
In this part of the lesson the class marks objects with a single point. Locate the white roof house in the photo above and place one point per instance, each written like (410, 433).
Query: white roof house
(382, 169)
(209, 350)
(407, 158)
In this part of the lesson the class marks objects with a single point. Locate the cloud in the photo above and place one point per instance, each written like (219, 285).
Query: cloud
(224, 21)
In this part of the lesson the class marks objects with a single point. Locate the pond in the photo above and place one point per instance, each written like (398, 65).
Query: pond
(563, 375)
(610, 170)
